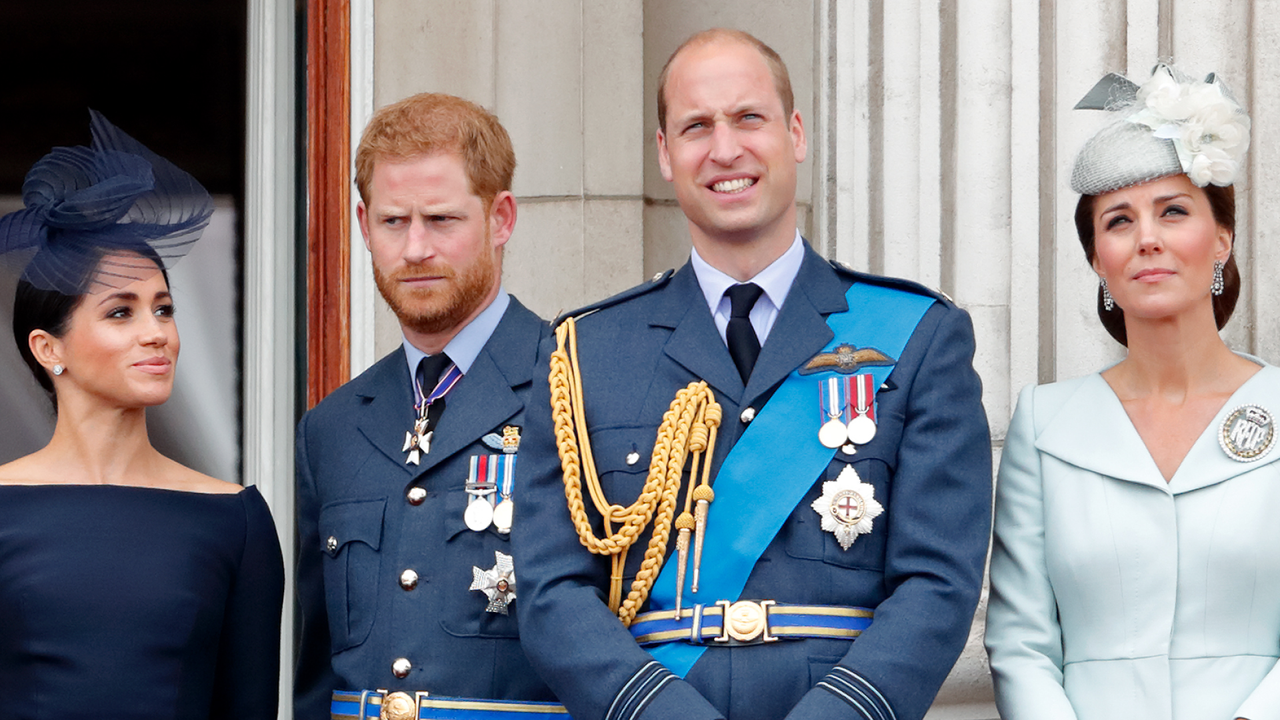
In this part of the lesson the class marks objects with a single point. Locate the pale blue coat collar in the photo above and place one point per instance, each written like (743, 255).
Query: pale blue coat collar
(1092, 431)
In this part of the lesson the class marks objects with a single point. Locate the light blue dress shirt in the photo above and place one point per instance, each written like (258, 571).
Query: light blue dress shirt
(466, 345)
(775, 280)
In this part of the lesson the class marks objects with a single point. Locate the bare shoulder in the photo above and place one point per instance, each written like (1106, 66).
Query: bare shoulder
(26, 470)
(190, 480)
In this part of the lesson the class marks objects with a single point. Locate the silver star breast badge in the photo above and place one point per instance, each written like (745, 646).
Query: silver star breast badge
(497, 583)
(847, 507)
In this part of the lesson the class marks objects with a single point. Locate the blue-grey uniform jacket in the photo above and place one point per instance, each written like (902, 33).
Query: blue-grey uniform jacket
(357, 618)
(920, 567)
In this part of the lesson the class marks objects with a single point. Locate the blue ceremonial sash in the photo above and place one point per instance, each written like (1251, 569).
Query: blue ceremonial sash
(878, 317)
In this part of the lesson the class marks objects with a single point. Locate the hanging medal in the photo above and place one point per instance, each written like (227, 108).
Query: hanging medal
(862, 397)
(480, 487)
(848, 406)
(417, 442)
(833, 399)
(502, 514)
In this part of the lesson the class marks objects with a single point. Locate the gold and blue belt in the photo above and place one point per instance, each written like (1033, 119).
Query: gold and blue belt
(749, 622)
(350, 705)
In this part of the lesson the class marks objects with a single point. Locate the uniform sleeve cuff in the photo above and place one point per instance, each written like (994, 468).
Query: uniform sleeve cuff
(843, 694)
(654, 693)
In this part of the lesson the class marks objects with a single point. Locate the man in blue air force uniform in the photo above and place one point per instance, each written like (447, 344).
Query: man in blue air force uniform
(850, 472)
(404, 568)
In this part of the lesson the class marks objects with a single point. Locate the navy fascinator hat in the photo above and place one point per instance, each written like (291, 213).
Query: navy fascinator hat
(103, 215)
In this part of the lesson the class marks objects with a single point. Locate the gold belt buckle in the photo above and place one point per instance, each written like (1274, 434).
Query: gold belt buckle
(745, 622)
(400, 705)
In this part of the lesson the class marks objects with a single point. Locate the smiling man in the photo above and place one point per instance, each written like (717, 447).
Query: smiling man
(828, 562)
(405, 575)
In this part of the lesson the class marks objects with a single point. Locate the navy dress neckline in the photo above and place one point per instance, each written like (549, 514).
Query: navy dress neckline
(136, 602)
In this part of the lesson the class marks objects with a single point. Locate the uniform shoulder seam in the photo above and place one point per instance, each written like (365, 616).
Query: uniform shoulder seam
(659, 280)
(888, 281)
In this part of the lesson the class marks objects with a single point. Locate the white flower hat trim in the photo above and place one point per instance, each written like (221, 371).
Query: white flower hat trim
(1208, 129)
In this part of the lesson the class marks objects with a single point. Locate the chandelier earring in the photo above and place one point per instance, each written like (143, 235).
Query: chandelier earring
(1218, 285)
(1108, 303)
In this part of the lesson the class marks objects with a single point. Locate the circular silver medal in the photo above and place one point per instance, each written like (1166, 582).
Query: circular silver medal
(479, 514)
(861, 429)
(502, 515)
(832, 434)
(1247, 433)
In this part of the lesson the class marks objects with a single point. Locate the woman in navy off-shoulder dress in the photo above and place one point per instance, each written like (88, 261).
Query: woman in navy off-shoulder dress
(130, 586)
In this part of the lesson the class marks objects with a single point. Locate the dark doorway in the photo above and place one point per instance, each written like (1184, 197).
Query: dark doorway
(169, 73)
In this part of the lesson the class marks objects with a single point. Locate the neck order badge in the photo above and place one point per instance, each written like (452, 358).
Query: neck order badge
(752, 470)
(417, 442)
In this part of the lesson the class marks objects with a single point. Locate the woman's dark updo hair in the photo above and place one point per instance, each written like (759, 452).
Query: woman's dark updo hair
(35, 308)
(1222, 201)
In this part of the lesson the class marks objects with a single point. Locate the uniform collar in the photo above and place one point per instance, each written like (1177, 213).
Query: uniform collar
(466, 345)
(775, 280)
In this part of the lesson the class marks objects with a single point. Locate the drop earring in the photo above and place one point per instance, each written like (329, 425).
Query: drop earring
(1108, 303)
(1218, 285)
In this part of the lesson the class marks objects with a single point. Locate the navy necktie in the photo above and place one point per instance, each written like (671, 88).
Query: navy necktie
(429, 370)
(744, 346)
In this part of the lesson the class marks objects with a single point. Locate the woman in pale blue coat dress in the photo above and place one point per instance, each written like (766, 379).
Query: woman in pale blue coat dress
(1136, 566)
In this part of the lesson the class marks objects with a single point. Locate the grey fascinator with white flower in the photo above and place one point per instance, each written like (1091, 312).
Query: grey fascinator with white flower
(1170, 124)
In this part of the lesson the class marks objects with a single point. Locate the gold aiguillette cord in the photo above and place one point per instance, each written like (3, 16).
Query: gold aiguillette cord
(688, 426)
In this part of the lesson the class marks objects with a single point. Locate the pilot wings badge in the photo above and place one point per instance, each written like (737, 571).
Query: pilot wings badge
(846, 360)
(847, 507)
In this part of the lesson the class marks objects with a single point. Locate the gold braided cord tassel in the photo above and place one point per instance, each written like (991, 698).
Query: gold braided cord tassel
(704, 496)
(689, 424)
(684, 526)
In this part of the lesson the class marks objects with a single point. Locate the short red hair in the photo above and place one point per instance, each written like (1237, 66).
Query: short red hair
(430, 123)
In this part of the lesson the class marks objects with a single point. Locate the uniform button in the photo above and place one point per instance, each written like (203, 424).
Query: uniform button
(331, 544)
(747, 415)
(401, 667)
(408, 579)
(416, 495)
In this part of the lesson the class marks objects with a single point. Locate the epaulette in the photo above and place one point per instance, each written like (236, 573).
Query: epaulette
(657, 281)
(896, 283)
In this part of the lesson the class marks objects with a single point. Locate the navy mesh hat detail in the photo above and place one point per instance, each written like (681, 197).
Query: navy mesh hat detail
(103, 215)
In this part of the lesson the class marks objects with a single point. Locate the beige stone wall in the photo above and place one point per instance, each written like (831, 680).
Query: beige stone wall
(573, 82)
(565, 79)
